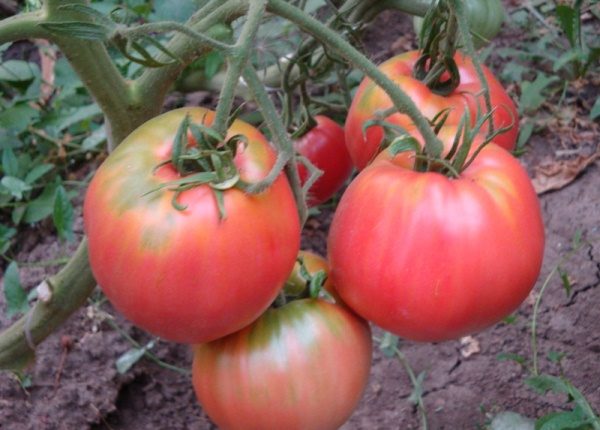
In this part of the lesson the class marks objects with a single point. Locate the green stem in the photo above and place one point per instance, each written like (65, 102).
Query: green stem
(236, 63)
(463, 25)
(152, 86)
(69, 290)
(280, 137)
(330, 38)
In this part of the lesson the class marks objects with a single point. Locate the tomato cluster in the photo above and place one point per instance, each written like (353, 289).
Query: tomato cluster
(427, 255)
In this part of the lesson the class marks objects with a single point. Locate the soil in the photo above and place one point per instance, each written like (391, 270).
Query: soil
(75, 383)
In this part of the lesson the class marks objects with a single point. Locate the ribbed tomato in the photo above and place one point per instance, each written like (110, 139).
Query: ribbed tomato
(188, 275)
(431, 258)
(324, 146)
(370, 99)
(303, 366)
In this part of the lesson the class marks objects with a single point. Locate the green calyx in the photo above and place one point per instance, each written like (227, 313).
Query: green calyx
(210, 161)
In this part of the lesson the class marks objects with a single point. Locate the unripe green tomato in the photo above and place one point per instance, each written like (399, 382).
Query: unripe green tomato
(485, 20)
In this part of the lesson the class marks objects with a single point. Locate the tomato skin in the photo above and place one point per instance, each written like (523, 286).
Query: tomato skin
(188, 276)
(302, 366)
(370, 99)
(431, 258)
(324, 146)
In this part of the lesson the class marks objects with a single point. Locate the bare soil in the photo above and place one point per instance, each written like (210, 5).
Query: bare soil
(75, 384)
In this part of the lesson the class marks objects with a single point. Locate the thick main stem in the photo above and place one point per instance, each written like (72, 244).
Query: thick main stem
(331, 39)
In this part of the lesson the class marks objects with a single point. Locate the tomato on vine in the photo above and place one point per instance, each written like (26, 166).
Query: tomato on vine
(430, 257)
(303, 365)
(189, 262)
(370, 101)
(324, 146)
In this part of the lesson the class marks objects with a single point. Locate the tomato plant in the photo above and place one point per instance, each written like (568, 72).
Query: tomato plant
(301, 366)
(431, 258)
(370, 100)
(188, 275)
(324, 146)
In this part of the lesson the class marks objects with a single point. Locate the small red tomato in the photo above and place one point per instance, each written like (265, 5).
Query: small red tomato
(324, 146)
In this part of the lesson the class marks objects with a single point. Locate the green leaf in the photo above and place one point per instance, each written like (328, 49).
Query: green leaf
(78, 114)
(566, 18)
(544, 383)
(42, 207)
(556, 356)
(78, 29)
(566, 282)
(18, 117)
(15, 295)
(10, 164)
(132, 356)
(511, 421)
(213, 61)
(313, 5)
(575, 419)
(97, 137)
(389, 344)
(532, 92)
(595, 112)
(17, 71)
(62, 214)
(37, 172)
(524, 135)
(509, 356)
(15, 186)
(6, 234)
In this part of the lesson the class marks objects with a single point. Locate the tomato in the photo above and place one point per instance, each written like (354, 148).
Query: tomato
(324, 146)
(370, 99)
(432, 258)
(188, 275)
(302, 366)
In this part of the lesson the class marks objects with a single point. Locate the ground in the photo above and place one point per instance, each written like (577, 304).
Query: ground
(75, 383)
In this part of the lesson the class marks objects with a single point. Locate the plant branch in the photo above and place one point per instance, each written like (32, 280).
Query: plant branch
(236, 62)
(153, 85)
(68, 291)
(280, 137)
(331, 39)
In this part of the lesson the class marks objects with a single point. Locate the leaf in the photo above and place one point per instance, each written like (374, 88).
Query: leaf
(566, 18)
(97, 137)
(62, 214)
(313, 5)
(6, 234)
(524, 134)
(17, 71)
(78, 29)
(545, 383)
(556, 356)
(132, 356)
(566, 281)
(595, 112)
(213, 61)
(15, 295)
(509, 356)
(554, 176)
(389, 344)
(79, 114)
(37, 172)
(15, 186)
(511, 421)
(18, 117)
(42, 207)
(10, 164)
(575, 419)
(532, 96)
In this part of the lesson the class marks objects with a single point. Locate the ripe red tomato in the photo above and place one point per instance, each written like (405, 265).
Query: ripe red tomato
(370, 99)
(188, 276)
(431, 258)
(302, 366)
(324, 147)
